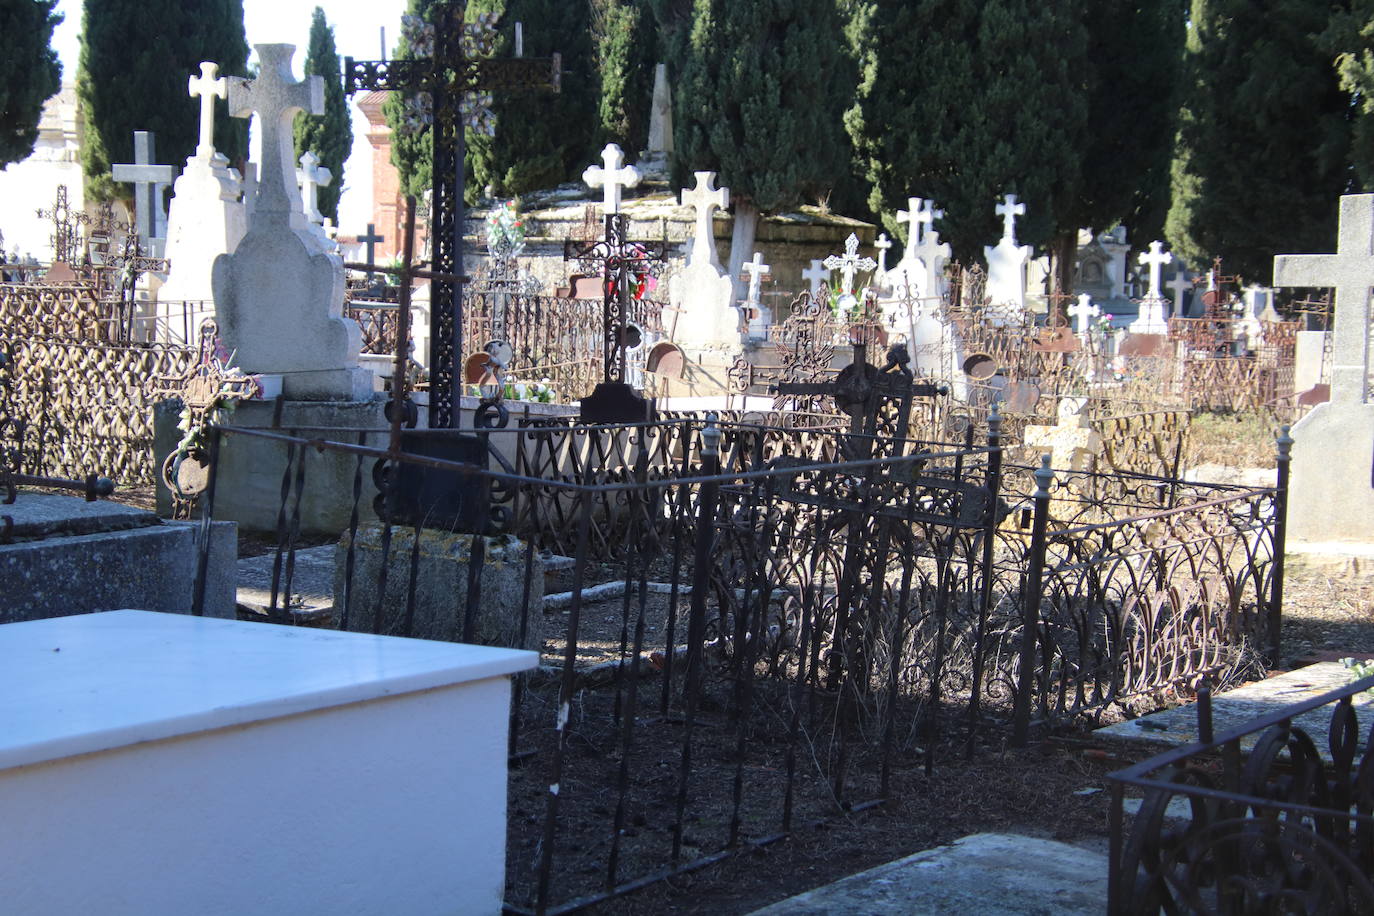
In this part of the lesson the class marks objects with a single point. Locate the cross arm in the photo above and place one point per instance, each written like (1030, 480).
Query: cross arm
(1307, 270)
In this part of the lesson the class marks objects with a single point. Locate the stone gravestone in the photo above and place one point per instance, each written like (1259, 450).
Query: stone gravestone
(310, 177)
(279, 295)
(816, 275)
(703, 293)
(1006, 286)
(147, 178)
(207, 217)
(1072, 444)
(1151, 318)
(1331, 494)
(1082, 313)
(755, 272)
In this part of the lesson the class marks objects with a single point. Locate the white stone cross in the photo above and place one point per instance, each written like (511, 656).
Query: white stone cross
(816, 274)
(276, 97)
(849, 263)
(1073, 444)
(310, 177)
(207, 87)
(1082, 313)
(146, 175)
(1350, 271)
(755, 272)
(1009, 209)
(882, 244)
(1155, 258)
(916, 217)
(1178, 286)
(706, 200)
(611, 175)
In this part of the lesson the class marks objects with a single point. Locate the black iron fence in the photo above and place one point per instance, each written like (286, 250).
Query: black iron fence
(1276, 820)
(745, 629)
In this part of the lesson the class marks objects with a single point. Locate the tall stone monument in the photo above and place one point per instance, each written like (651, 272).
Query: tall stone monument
(656, 162)
(1331, 496)
(207, 217)
(707, 316)
(1006, 287)
(279, 296)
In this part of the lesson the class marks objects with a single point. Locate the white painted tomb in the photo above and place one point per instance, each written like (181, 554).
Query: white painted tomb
(160, 764)
(207, 216)
(702, 293)
(279, 296)
(1331, 493)
(1151, 319)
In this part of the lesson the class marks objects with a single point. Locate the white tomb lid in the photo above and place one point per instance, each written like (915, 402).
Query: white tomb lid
(95, 682)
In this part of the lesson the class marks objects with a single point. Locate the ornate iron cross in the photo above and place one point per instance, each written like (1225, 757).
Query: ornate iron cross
(64, 221)
(446, 76)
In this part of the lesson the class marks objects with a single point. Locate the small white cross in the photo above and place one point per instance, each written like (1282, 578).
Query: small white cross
(916, 217)
(882, 244)
(1156, 258)
(310, 177)
(816, 274)
(1082, 313)
(207, 87)
(849, 263)
(1009, 209)
(611, 176)
(1178, 285)
(755, 272)
(706, 200)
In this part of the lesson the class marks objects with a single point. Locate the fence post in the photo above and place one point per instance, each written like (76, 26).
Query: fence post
(1030, 604)
(994, 486)
(1275, 622)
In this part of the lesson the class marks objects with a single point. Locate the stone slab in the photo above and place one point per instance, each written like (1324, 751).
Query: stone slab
(987, 873)
(312, 583)
(151, 568)
(1232, 709)
(41, 515)
(1330, 494)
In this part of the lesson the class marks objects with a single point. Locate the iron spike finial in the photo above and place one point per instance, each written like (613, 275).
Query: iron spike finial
(1285, 443)
(1044, 477)
(710, 437)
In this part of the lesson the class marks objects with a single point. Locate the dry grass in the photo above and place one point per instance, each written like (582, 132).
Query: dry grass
(1238, 440)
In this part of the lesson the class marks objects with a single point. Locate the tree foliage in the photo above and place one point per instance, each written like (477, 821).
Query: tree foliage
(1349, 39)
(1264, 135)
(330, 135)
(541, 139)
(29, 73)
(963, 101)
(623, 33)
(136, 56)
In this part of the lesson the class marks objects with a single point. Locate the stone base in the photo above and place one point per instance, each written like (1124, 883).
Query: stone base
(135, 562)
(1330, 496)
(441, 587)
(248, 486)
(329, 385)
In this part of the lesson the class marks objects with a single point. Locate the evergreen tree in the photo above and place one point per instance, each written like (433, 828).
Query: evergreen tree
(1349, 38)
(540, 139)
(330, 135)
(1264, 136)
(624, 37)
(29, 73)
(135, 58)
(962, 101)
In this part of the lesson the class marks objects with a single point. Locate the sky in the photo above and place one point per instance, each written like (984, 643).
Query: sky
(357, 33)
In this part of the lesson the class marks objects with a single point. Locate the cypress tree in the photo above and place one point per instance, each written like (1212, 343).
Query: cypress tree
(624, 37)
(330, 135)
(29, 73)
(965, 100)
(1349, 39)
(135, 58)
(540, 139)
(1264, 135)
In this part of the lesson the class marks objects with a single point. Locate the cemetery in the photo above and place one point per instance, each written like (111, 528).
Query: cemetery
(626, 546)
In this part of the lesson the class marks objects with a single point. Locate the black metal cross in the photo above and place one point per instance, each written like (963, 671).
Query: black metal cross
(371, 240)
(447, 76)
(624, 266)
(64, 221)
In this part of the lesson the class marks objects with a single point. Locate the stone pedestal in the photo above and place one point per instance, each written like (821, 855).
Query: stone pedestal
(1006, 286)
(207, 220)
(1331, 490)
(219, 767)
(441, 587)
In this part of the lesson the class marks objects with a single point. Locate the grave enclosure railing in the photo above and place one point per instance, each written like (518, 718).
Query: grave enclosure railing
(1275, 821)
(759, 625)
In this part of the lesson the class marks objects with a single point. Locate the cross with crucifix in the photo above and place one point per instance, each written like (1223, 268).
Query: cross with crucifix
(207, 87)
(145, 175)
(447, 75)
(64, 223)
(611, 176)
(849, 263)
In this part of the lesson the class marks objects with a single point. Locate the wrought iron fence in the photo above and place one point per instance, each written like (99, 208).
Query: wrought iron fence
(756, 625)
(1286, 827)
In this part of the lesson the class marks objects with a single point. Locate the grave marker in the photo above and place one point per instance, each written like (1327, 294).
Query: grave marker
(1082, 313)
(611, 176)
(849, 263)
(815, 275)
(207, 87)
(145, 175)
(755, 272)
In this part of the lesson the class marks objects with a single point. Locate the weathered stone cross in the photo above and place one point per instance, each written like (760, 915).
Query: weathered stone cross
(145, 175)
(276, 97)
(757, 272)
(706, 200)
(1177, 286)
(310, 177)
(816, 274)
(882, 244)
(1350, 271)
(849, 263)
(1155, 258)
(1009, 209)
(612, 175)
(1082, 313)
(207, 87)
